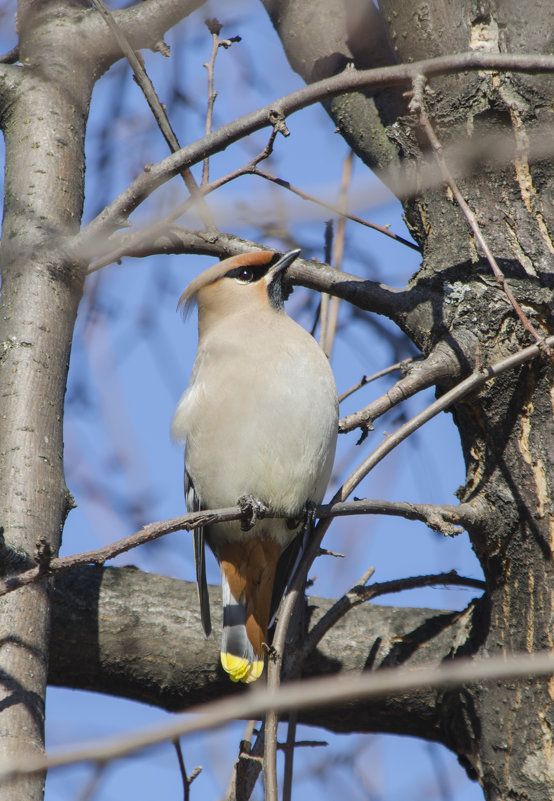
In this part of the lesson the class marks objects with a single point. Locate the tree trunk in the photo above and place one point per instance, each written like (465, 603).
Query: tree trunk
(503, 731)
(44, 102)
(45, 108)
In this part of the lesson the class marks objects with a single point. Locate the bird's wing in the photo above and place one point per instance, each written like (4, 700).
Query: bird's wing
(286, 566)
(193, 505)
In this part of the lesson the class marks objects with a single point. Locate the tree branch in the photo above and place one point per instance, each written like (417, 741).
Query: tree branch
(115, 215)
(143, 24)
(121, 589)
(97, 645)
(160, 115)
(440, 365)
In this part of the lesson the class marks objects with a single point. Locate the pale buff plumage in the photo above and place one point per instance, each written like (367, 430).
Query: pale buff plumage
(259, 418)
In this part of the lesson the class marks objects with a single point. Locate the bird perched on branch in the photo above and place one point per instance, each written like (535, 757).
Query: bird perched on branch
(259, 424)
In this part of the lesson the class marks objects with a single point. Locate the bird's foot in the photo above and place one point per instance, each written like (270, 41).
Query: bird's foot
(252, 510)
(305, 519)
(270, 651)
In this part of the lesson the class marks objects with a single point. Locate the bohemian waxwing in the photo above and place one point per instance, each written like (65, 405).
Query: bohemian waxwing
(259, 419)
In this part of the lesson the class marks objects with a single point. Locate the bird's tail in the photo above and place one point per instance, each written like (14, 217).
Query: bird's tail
(248, 573)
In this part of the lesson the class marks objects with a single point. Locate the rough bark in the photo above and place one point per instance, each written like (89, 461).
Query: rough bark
(44, 102)
(138, 635)
(503, 731)
(44, 110)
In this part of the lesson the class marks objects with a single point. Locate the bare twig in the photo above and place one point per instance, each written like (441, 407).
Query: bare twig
(444, 519)
(336, 210)
(215, 28)
(288, 748)
(187, 780)
(439, 365)
(327, 332)
(359, 594)
(163, 227)
(91, 785)
(100, 555)
(365, 379)
(156, 107)
(297, 695)
(288, 632)
(117, 212)
(417, 105)
(248, 765)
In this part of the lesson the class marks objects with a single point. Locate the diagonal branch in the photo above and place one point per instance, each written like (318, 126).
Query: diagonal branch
(441, 364)
(160, 115)
(417, 104)
(359, 594)
(116, 213)
(341, 212)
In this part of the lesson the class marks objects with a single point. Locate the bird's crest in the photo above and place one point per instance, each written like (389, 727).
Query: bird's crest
(217, 271)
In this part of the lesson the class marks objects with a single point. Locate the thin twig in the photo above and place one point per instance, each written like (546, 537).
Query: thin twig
(365, 379)
(147, 533)
(417, 105)
(288, 748)
(334, 614)
(160, 115)
(439, 365)
(215, 28)
(336, 210)
(187, 780)
(164, 226)
(328, 332)
(92, 784)
(444, 519)
(248, 765)
(154, 175)
(359, 594)
(322, 311)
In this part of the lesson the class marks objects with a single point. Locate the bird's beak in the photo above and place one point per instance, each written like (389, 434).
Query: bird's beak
(282, 264)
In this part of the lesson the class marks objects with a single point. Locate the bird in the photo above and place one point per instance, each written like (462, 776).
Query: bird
(259, 424)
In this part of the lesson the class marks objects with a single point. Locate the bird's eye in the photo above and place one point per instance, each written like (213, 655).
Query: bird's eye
(245, 275)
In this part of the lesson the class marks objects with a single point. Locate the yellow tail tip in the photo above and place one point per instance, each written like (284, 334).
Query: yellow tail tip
(240, 669)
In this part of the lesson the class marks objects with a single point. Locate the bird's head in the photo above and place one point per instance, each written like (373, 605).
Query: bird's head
(248, 282)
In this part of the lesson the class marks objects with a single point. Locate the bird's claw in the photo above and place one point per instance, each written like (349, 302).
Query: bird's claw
(305, 519)
(309, 515)
(252, 510)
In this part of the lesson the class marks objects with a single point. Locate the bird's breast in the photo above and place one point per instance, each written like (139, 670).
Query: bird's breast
(260, 418)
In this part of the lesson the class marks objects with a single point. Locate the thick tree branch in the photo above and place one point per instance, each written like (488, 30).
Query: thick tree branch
(97, 645)
(143, 24)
